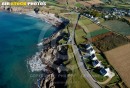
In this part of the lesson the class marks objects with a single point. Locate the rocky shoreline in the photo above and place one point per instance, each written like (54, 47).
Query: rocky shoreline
(52, 56)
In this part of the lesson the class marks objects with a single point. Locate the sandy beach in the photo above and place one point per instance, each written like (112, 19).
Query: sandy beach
(48, 17)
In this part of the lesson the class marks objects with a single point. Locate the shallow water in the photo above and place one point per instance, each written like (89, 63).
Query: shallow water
(19, 35)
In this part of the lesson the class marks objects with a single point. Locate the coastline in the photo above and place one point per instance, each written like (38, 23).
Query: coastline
(47, 17)
(19, 41)
(39, 61)
(48, 54)
(46, 62)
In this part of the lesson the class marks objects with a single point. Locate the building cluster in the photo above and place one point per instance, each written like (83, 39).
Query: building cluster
(92, 18)
(118, 13)
(91, 55)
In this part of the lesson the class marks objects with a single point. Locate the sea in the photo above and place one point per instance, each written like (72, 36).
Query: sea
(19, 36)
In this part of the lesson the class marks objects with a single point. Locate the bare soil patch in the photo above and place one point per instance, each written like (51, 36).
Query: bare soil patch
(119, 58)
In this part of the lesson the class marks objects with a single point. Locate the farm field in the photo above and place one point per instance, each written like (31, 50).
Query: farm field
(119, 59)
(92, 27)
(85, 20)
(92, 1)
(70, 3)
(97, 32)
(108, 41)
(71, 16)
(88, 25)
(54, 9)
(118, 26)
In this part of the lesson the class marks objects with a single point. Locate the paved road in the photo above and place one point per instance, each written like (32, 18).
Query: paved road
(80, 61)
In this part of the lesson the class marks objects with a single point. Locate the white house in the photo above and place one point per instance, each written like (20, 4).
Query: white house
(88, 46)
(93, 57)
(97, 63)
(107, 72)
(91, 51)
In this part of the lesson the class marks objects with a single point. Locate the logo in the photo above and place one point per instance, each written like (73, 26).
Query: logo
(23, 3)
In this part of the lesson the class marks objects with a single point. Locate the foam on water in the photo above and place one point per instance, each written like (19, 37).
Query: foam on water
(35, 64)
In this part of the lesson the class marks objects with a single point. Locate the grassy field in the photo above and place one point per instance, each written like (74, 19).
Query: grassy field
(79, 36)
(100, 78)
(97, 32)
(88, 25)
(85, 20)
(69, 3)
(118, 26)
(53, 9)
(71, 16)
(115, 79)
(93, 27)
(75, 79)
(54, 3)
(79, 32)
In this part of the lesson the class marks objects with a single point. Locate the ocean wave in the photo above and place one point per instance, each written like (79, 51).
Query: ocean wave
(35, 63)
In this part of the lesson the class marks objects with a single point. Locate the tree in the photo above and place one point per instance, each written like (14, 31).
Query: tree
(36, 10)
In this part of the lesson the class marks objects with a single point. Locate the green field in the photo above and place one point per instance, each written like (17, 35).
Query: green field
(85, 20)
(97, 32)
(79, 36)
(54, 3)
(70, 16)
(88, 25)
(118, 26)
(75, 78)
(78, 5)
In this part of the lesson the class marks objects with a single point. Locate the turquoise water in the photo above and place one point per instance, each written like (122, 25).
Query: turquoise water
(19, 35)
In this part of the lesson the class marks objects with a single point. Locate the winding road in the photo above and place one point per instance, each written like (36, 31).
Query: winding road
(80, 61)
